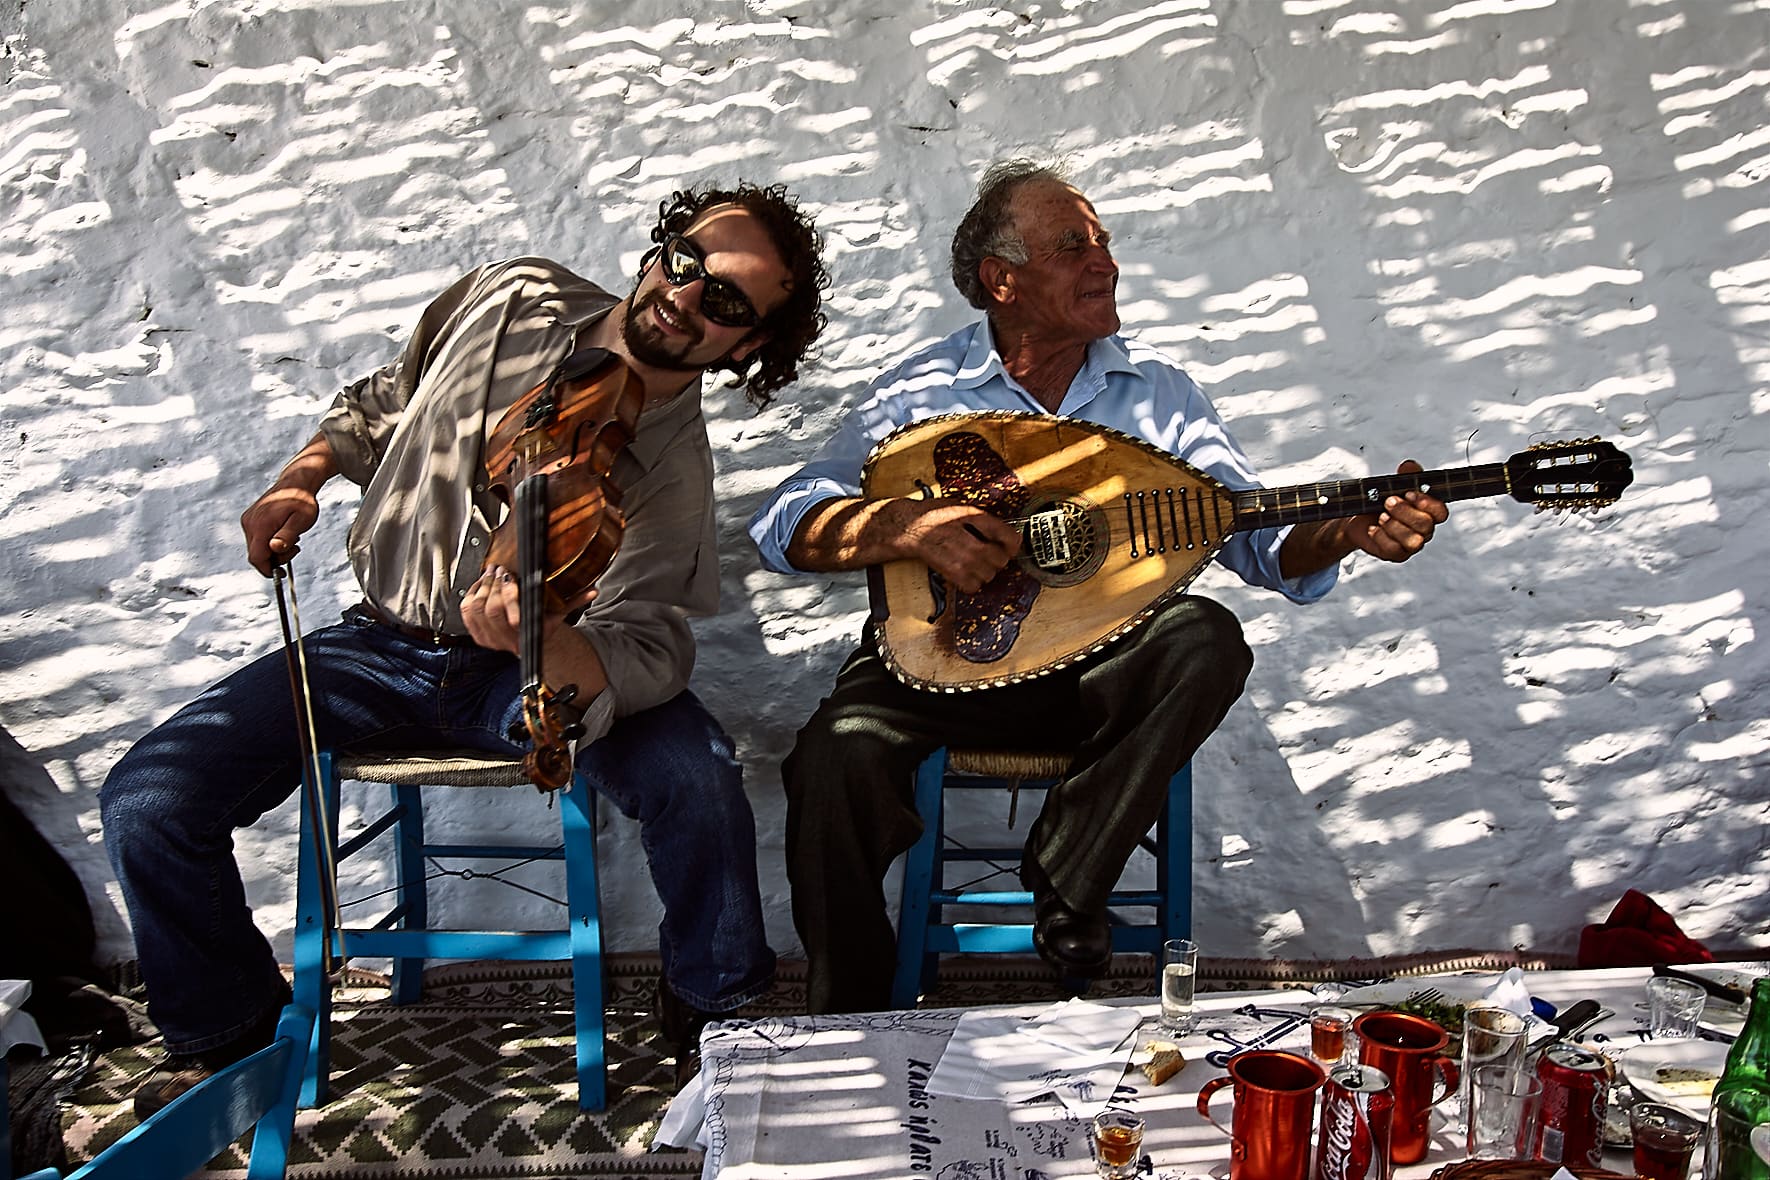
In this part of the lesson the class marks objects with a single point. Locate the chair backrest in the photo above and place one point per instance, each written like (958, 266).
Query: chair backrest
(193, 1129)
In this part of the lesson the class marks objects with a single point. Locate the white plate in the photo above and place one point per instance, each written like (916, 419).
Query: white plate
(1642, 1063)
(1453, 989)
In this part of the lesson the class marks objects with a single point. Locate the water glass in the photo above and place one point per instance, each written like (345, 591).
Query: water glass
(1665, 1138)
(1491, 1036)
(1673, 1007)
(1504, 1104)
(1328, 1032)
(1179, 971)
(1118, 1144)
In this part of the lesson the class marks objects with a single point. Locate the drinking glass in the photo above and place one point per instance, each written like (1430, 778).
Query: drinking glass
(1665, 1138)
(1179, 969)
(1503, 1107)
(1328, 1027)
(1491, 1036)
(1673, 1007)
(1118, 1144)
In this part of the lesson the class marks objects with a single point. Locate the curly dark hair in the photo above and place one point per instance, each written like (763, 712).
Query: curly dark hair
(794, 326)
(987, 230)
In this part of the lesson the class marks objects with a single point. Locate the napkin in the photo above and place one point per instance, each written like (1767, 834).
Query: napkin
(1077, 1026)
(1510, 993)
(1638, 933)
(685, 1119)
(1070, 1050)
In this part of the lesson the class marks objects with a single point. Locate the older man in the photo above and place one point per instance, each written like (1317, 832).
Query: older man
(429, 657)
(1032, 255)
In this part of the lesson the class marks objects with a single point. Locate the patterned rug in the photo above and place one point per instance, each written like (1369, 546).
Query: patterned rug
(477, 1080)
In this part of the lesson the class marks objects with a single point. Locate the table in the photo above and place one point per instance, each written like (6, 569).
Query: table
(845, 1096)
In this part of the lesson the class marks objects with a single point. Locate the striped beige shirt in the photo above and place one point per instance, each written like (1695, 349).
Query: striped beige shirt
(413, 435)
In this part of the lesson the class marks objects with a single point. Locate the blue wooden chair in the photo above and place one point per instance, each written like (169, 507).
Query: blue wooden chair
(923, 932)
(198, 1125)
(404, 934)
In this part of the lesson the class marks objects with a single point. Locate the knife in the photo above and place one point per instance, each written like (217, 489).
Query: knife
(1714, 987)
(1568, 1023)
(1569, 1020)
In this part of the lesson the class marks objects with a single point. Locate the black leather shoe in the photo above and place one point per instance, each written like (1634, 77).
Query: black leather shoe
(681, 1025)
(1076, 943)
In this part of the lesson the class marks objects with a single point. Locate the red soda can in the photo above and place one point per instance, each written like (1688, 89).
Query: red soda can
(1357, 1109)
(1576, 1091)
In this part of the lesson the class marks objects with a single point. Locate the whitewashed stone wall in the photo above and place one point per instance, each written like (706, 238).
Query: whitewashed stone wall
(1372, 228)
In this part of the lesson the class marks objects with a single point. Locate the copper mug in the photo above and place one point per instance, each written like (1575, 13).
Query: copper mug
(1274, 1099)
(1410, 1049)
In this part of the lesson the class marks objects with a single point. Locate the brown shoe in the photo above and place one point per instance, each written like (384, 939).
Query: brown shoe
(170, 1079)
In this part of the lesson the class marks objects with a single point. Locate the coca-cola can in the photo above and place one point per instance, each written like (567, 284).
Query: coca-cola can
(1576, 1091)
(1357, 1110)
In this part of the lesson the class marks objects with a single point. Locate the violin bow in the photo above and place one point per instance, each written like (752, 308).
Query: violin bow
(312, 789)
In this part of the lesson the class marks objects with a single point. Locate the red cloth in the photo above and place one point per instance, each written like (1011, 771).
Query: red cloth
(1638, 933)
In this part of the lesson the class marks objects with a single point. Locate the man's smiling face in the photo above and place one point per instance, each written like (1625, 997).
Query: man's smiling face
(665, 326)
(1066, 290)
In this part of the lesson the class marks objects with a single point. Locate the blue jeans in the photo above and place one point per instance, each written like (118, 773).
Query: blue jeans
(171, 805)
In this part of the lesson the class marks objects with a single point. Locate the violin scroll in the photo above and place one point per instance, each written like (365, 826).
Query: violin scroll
(544, 722)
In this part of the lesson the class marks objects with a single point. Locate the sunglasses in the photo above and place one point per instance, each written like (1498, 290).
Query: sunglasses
(721, 301)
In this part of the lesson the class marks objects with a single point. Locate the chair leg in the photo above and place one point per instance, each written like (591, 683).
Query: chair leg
(1175, 866)
(269, 1159)
(312, 989)
(914, 964)
(577, 813)
(413, 890)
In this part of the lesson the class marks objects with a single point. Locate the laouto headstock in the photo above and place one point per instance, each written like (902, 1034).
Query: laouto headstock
(1586, 473)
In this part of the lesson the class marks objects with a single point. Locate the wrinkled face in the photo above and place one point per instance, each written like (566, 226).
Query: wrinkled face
(1065, 291)
(665, 325)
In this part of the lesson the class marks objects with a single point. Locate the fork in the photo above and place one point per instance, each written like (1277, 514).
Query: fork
(1429, 995)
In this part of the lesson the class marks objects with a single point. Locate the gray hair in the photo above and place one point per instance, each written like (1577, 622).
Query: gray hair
(987, 230)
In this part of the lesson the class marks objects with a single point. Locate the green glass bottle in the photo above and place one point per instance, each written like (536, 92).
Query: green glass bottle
(1742, 1097)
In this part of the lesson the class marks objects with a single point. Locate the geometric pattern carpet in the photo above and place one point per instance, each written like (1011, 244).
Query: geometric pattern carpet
(477, 1080)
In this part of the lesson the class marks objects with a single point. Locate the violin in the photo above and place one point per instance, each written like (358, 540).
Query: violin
(548, 461)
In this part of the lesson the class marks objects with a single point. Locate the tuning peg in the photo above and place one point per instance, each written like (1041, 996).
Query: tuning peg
(518, 731)
(572, 733)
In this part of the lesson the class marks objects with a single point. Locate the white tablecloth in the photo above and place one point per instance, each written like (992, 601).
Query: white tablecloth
(845, 1096)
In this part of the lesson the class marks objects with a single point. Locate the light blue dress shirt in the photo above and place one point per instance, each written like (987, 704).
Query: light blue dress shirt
(1123, 384)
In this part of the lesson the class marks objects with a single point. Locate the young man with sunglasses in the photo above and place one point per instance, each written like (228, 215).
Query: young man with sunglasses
(1032, 255)
(428, 658)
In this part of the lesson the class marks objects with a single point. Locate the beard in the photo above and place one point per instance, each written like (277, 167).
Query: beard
(651, 347)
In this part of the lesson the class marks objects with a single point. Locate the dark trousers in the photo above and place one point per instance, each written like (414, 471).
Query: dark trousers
(1133, 715)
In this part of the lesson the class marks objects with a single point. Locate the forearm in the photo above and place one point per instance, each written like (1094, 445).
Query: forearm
(569, 658)
(311, 467)
(850, 533)
(274, 522)
(1312, 547)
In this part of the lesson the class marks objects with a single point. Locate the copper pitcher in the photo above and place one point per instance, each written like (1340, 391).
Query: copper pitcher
(1410, 1049)
(1274, 1099)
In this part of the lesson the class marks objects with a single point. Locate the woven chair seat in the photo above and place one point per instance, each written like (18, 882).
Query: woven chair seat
(1009, 764)
(445, 768)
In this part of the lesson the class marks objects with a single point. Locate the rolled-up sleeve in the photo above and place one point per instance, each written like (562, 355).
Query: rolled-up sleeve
(364, 415)
(638, 622)
(833, 474)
